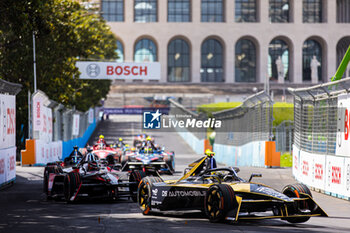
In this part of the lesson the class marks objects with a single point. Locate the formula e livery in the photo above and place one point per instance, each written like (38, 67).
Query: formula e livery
(222, 195)
(92, 177)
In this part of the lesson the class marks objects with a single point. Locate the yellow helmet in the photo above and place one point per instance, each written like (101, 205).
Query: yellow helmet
(209, 153)
(101, 136)
(148, 138)
(120, 139)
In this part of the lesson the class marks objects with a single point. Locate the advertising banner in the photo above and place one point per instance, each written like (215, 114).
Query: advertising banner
(335, 174)
(118, 70)
(347, 177)
(319, 171)
(47, 152)
(306, 169)
(38, 100)
(296, 167)
(7, 164)
(343, 126)
(7, 121)
(75, 131)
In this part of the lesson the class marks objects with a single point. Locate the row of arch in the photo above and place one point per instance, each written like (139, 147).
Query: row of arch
(246, 52)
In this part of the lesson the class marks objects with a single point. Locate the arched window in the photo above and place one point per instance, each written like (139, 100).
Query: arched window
(278, 60)
(211, 61)
(145, 50)
(343, 11)
(312, 11)
(245, 11)
(178, 61)
(312, 57)
(145, 11)
(120, 51)
(245, 64)
(342, 46)
(212, 11)
(279, 11)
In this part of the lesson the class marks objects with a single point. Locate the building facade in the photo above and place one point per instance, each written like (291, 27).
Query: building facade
(233, 41)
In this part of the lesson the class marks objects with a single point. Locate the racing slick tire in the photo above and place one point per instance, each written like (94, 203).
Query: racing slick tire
(72, 184)
(294, 190)
(144, 193)
(49, 169)
(135, 176)
(219, 200)
(170, 161)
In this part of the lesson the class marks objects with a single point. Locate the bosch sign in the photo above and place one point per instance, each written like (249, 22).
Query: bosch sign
(116, 70)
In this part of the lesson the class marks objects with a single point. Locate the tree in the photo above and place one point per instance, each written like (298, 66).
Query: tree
(65, 33)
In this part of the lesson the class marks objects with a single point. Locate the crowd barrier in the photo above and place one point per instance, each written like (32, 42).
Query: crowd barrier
(321, 155)
(8, 93)
(56, 130)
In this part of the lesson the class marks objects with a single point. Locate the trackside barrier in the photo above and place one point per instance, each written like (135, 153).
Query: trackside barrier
(237, 142)
(8, 92)
(321, 149)
(245, 129)
(56, 130)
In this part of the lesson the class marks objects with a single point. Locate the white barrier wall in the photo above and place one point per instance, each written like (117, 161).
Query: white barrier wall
(7, 138)
(47, 152)
(328, 173)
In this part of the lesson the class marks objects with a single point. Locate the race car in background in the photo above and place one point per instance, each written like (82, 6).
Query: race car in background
(140, 139)
(149, 158)
(92, 178)
(222, 195)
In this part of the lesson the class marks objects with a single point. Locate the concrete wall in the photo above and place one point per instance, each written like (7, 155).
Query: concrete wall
(250, 154)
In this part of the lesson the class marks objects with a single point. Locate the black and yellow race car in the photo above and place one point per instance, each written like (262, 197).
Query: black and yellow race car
(222, 195)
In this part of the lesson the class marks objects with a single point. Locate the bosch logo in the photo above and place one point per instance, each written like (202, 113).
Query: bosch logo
(336, 175)
(318, 171)
(305, 168)
(296, 162)
(93, 70)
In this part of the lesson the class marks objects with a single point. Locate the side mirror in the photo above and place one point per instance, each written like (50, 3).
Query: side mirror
(254, 175)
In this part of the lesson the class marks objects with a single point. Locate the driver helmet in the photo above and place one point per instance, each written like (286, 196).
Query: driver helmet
(75, 147)
(101, 137)
(209, 153)
(148, 138)
(120, 139)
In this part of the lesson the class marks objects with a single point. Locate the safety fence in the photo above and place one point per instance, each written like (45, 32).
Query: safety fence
(8, 92)
(241, 139)
(284, 136)
(55, 130)
(321, 150)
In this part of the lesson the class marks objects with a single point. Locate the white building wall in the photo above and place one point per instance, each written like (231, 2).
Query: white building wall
(229, 32)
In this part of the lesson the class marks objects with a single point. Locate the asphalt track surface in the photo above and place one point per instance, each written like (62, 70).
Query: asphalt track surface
(24, 208)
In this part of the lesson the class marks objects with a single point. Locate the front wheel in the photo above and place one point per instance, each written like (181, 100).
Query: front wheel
(72, 182)
(135, 177)
(219, 199)
(296, 190)
(144, 193)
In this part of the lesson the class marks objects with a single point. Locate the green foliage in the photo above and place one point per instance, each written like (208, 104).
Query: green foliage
(281, 111)
(215, 107)
(286, 160)
(65, 32)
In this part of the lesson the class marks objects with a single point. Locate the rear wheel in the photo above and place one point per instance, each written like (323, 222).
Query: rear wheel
(72, 182)
(144, 193)
(48, 170)
(218, 201)
(294, 191)
(135, 176)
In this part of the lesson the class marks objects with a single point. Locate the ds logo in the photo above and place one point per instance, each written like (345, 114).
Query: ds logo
(151, 120)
